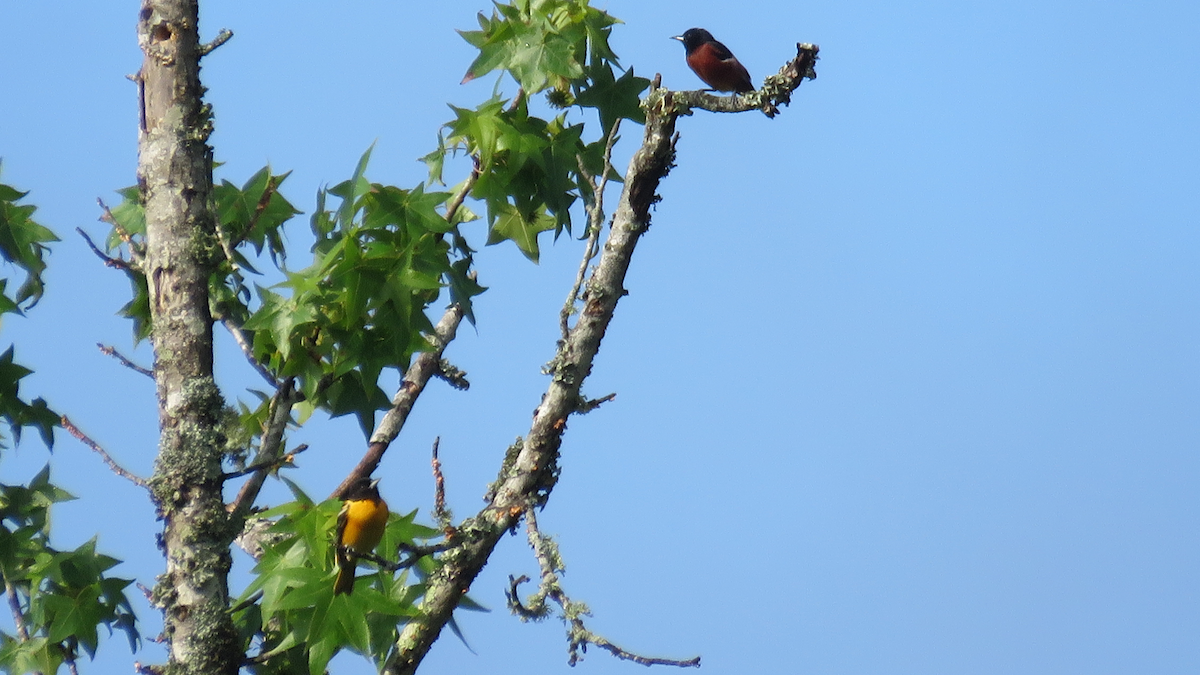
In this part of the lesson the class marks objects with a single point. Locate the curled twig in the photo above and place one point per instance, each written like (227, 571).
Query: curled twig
(572, 612)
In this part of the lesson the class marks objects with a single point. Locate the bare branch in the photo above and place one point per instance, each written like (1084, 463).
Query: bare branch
(109, 261)
(267, 466)
(452, 375)
(112, 464)
(456, 202)
(227, 249)
(111, 351)
(412, 554)
(278, 414)
(440, 513)
(14, 604)
(243, 343)
(595, 224)
(222, 37)
(572, 613)
(591, 404)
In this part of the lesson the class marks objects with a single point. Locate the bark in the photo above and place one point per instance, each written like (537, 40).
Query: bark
(175, 177)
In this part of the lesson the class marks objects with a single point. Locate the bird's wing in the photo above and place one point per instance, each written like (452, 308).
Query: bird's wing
(720, 51)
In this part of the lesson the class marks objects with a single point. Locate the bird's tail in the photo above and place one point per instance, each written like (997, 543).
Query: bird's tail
(345, 578)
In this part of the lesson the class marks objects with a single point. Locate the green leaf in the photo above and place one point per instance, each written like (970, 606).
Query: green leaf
(23, 243)
(513, 226)
(613, 98)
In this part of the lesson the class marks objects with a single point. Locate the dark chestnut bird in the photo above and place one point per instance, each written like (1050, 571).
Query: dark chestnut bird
(713, 62)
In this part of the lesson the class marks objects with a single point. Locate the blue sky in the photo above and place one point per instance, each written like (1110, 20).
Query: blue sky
(907, 378)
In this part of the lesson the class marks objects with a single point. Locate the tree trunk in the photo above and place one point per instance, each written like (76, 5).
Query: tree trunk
(175, 177)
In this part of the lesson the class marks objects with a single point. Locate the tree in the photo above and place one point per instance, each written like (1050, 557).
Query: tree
(323, 335)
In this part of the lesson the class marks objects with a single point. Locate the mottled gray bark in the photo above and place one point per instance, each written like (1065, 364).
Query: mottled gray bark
(175, 177)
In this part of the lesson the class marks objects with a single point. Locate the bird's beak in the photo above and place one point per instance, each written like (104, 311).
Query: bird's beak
(375, 483)
(677, 37)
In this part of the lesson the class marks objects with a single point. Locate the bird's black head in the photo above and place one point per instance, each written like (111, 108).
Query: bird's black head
(363, 488)
(693, 38)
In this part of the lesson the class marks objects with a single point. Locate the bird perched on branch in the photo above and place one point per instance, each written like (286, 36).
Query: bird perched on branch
(360, 526)
(713, 62)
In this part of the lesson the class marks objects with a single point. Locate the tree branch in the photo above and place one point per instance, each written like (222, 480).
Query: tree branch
(595, 225)
(440, 513)
(111, 351)
(278, 414)
(14, 604)
(109, 261)
(243, 343)
(112, 464)
(528, 476)
(223, 36)
(572, 613)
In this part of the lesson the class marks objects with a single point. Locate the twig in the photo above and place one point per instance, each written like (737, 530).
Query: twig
(222, 37)
(239, 336)
(452, 375)
(14, 604)
(572, 613)
(135, 253)
(267, 465)
(279, 412)
(440, 514)
(595, 225)
(112, 464)
(109, 261)
(111, 351)
(263, 202)
(227, 249)
(591, 404)
(456, 202)
(413, 555)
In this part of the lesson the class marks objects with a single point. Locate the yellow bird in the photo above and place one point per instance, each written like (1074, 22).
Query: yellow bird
(360, 526)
